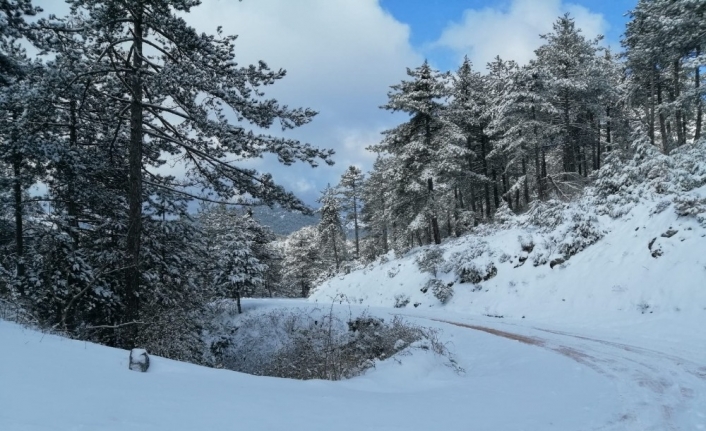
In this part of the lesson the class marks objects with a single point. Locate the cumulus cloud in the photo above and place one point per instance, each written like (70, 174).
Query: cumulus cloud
(513, 32)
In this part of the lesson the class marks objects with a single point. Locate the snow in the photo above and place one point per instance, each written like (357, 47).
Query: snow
(50, 383)
(615, 279)
(609, 340)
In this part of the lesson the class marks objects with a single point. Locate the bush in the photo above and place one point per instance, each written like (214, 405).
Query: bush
(294, 343)
(691, 205)
(430, 260)
(401, 301)
(442, 291)
(526, 243)
(470, 272)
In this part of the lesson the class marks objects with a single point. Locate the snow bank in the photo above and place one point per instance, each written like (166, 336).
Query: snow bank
(50, 383)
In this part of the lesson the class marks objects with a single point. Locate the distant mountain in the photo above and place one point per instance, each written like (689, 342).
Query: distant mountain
(281, 221)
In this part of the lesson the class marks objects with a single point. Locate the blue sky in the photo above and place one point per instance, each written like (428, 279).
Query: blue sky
(428, 20)
(342, 56)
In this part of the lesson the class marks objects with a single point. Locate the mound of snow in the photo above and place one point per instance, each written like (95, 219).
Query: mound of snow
(51, 383)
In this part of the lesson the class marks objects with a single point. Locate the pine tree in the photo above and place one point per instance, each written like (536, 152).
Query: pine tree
(414, 145)
(147, 49)
(469, 112)
(351, 189)
(235, 266)
(376, 196)
(330, 228)
(303, 263)
(666, 76)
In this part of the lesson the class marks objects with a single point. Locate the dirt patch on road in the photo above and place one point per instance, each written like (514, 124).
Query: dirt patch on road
(509, 335)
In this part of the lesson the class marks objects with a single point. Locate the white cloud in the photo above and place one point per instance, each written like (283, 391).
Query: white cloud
(341, 56)
(513, 32)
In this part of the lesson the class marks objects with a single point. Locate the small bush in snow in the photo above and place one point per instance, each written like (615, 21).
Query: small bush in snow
(442, 291)
(504, 214)
(526, 243)
(691, 205)
(430, 260)
(474, 273)
(582, 232)
(401, 301)
(660, 207)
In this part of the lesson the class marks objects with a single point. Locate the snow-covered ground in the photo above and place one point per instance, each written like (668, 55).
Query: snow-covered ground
(518, 377)
(612, 339)
(649, 261)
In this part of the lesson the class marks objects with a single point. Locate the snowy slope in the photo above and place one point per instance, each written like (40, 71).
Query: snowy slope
(50, 383)
(616, 278)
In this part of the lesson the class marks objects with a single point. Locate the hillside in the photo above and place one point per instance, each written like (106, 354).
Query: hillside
(632, 244)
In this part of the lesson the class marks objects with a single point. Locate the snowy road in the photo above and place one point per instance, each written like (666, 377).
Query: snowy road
(658, 390)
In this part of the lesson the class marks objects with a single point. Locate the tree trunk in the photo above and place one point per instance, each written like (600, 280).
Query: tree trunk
(651, 120)
(506, 188)
(609, 147)
(681, 137)
(449, 229)
(699, 101)
(544, 163)
(335, 250)
(71, 206)
(434, 219)
(496, 195)
(19, 225)
(526, 185)
(355, 223)
(662, 120)
(134, 231)
(485, 174)
(537, 167)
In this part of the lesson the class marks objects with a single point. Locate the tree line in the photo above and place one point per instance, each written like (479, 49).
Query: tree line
(477, 145)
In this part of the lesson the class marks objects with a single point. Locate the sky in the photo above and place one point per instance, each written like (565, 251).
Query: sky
(342, 56)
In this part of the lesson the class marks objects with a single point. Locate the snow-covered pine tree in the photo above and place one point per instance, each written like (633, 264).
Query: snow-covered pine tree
(303, 263)
(506, 155)
(330, 228)
(231, 245)
(17, 73)
(375, 214)
(468, 111)
(523, 113)
(148, 49)
(575, 85)
(351, 188)
(414, 144)
(667, 77)
(23, 153)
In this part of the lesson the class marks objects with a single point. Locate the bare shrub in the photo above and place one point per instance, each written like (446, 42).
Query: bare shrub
(300, 344)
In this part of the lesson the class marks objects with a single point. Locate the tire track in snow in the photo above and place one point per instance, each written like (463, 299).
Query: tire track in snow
(660, 391)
